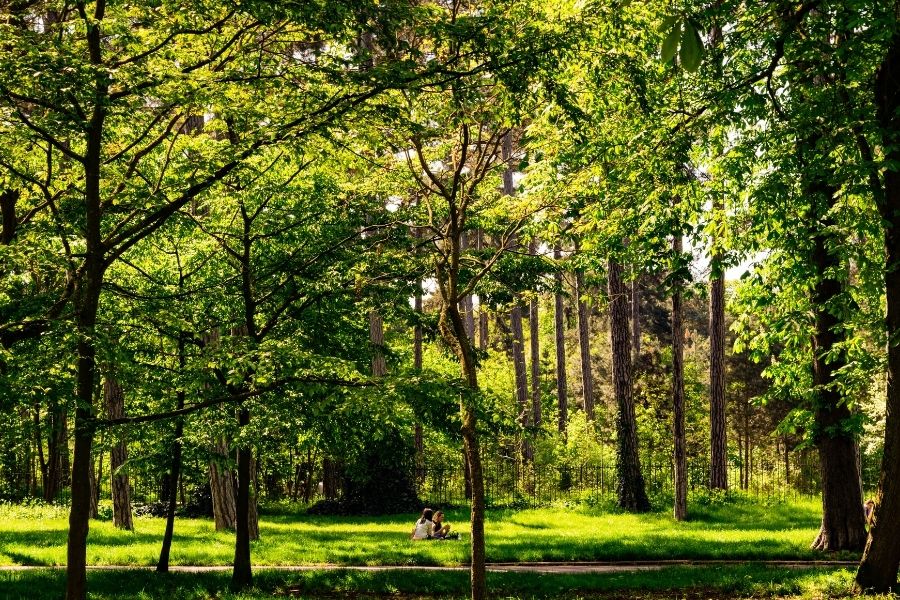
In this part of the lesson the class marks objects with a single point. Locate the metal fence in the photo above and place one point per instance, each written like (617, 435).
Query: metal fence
(512, 482)
(518, 483)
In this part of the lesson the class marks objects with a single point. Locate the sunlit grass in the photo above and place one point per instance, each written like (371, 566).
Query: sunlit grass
(741, 530)
(681, 582)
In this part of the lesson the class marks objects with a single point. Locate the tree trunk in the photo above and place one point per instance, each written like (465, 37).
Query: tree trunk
(418, 432)
(95, 491)
(518, 350)
(8, 200)
(534, 342)
(162, 566)
(630, 482)
(376, 337)
(635, 323)
(57, 450)
(253, 510)
(843, 522)
(453, 331)
(562, 400)
(331, 478)
(718, 465)
(114, 398)
(881, 558)
(584, 343)
(221, 483)
(241, 574)
(483, 338)
(679, 456)
(86, 303)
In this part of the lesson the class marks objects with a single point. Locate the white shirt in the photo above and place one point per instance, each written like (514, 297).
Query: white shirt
(423, 530)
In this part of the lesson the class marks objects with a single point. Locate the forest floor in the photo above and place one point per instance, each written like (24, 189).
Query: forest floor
(735, 531)
(700, 582)
(737, 549)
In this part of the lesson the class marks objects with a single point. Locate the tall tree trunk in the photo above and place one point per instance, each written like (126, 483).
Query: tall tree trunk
(881, 558)
(631, 492)
(162, 566)
(114, 398)
(241, 574)
(453, 331)
(253, 509)
(8, 200)
(521, 377)
(418, 432)
(584, 344)
(562, 400)
(221, 482)
(843, 522)
(718, 466)
(376, 337)
(57, 450)
(534, 342)
(483, 338)
(86, 303)
(635, 322)
(95, 491)
(679, 455)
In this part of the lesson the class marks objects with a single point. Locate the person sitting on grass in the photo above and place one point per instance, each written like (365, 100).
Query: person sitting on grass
(441, 530)
(424, 527)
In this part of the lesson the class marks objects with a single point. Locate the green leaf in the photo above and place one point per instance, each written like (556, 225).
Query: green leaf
(691, 48)
(670, 44)
(667, 23)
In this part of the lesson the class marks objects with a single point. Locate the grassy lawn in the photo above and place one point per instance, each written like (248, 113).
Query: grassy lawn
(739, 530)
(681, 582)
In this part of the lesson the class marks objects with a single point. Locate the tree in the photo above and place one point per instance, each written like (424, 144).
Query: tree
(630, 488)
(678, 436)
(881, 557)
(562, 393)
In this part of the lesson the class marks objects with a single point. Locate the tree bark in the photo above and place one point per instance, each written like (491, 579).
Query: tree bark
(718, 466)
(635, 323)
(881, 558)
(114, 398)
(678, 436)
(222, 484)
(241, 574)
(562, 400)
(86, 303)
(535, 349)
(631, 492)
(584, 344)
(418, 432)
(57, 450)
(521, 377)
(376, 337)
(8, 200)
(95, 491)
(843, 522)
(162, 566)
(453, 331)
(483, 337)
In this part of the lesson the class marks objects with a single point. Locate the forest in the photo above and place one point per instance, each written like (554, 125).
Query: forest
(333, 260)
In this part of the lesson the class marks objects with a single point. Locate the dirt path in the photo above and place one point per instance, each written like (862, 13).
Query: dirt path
(572, 568)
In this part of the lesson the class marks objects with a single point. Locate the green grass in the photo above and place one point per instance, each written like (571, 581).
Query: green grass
(737, 530)
(681, 582)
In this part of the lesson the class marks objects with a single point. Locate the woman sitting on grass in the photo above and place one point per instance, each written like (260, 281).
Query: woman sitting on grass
(441, 530)
(424, 527)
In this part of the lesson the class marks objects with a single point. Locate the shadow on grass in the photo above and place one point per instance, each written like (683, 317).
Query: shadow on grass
(710, 582)
(744, 515)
